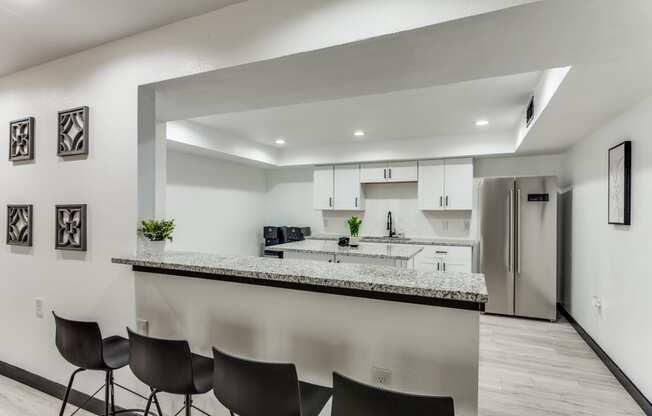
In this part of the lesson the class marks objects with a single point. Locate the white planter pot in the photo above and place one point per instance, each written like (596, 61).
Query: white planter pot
(153, 248)
(354, 241)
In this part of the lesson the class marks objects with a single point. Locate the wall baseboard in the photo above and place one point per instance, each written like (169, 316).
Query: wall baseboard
(76, 398)
(622, 378)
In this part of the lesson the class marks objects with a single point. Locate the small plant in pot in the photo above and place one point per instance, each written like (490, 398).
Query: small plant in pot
(354, 226)
(156, 233)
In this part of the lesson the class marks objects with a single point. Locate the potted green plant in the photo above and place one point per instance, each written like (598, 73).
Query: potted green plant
(156, 233)
(354, 226)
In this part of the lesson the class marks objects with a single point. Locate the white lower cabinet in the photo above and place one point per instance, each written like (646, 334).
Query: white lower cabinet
(326, 258)
(445, 259)
(342, 258)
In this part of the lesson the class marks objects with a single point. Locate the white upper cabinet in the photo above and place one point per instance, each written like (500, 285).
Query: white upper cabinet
(388, 172)
(337, 188)
(323, 187)
(459, 184)
(348, 190)
(373, 172)
(402, 171)
(432, 182)
(446, 184)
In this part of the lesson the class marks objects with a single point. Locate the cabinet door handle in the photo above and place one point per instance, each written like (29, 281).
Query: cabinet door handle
(446, 200)
(384, 173)
(437, 266)
(330, 260)
(330, 201)
(441, 201)
(390, 173)
(443, 265)
(356, 201)
(337, 261)
(441, 252)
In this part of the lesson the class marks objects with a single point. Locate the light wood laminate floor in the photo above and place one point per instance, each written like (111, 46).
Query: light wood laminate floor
(527, 368)
(534, 368)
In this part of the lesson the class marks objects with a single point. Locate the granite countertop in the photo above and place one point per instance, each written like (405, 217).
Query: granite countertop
(383, 251)
(465, 287)
(459, 242)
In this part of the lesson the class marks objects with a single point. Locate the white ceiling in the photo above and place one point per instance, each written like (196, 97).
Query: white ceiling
(308, 97)
(36, 31)
(446, 110)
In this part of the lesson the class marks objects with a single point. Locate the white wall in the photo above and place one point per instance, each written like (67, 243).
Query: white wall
(106, 78)
(218, 205)
(540, 165)
(612, 262)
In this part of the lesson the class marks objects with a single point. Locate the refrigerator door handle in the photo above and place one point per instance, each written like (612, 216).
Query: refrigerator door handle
(518, 231)
(510, 230)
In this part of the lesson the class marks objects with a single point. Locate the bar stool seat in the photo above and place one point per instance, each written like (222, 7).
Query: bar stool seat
(254, 388)
(115, 351)
(202, 368)
(352, 398)
(168, 366)
(313, 398)
(81, 344)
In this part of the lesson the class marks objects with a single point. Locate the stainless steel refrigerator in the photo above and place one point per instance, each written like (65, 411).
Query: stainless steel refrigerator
(518, 245)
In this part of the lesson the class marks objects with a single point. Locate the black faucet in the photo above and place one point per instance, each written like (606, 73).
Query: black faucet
(390, 229)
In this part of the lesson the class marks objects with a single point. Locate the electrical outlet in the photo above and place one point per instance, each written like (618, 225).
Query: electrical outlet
(142, 326)
(381, 376)
(38, 307)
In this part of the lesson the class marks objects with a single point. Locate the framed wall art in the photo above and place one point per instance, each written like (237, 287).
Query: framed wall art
(620, 183)
(73, 132)
(19, 225)
(70, 227)
(21, 140)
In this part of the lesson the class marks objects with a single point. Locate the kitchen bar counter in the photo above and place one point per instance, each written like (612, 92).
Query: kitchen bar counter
(459, 290)
(373, 250)
(424, 327)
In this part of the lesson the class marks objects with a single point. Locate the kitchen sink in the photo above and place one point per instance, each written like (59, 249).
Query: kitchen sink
(384, 239)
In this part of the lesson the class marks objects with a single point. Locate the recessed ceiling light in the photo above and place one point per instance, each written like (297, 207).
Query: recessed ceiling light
(358, 133)
(481, 123)
(280, 141)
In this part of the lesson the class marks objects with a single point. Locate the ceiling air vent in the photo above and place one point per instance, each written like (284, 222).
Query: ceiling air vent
(529, 114)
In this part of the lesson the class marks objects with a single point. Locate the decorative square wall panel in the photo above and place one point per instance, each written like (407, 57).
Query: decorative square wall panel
(73, 132)
(70, 232)
(21, 139)
(19, 225)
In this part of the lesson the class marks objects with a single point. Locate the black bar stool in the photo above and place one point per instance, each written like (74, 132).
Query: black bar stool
(82, 345)
(252, 388)
(351, 398)
(169, 366)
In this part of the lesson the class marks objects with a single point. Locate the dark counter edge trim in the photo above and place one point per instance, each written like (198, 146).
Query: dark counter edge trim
(359, 293)
(52, 388)
(622, 378)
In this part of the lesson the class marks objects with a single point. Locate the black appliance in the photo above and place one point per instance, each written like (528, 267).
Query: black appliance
(298, 233)
(275, 235)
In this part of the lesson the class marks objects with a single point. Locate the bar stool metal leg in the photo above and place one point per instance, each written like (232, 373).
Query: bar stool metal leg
(65, 397)
(188, 402)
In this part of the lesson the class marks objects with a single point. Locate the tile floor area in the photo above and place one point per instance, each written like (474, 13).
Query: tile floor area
(526, 368)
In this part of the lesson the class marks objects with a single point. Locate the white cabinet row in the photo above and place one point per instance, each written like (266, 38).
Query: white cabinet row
(442, 184)
(445, 259)
(343, 258)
